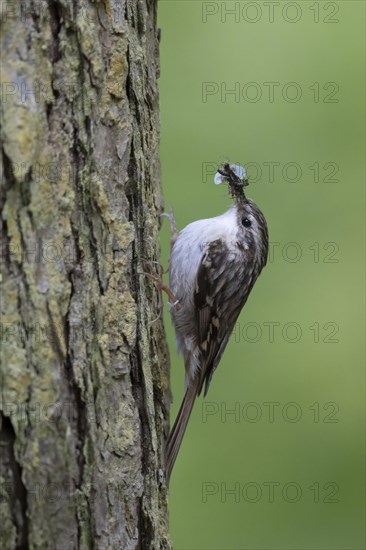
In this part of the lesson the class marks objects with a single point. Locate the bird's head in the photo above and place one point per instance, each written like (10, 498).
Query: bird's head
(252, 232)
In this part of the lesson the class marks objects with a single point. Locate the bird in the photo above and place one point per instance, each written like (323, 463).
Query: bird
(213, 266)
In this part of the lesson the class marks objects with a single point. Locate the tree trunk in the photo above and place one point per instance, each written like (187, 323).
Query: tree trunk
(84, 374)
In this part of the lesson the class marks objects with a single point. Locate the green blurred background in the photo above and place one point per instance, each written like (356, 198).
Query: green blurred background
(295, 468)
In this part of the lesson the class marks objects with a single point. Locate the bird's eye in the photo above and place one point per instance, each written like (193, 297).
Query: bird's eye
(246, 222)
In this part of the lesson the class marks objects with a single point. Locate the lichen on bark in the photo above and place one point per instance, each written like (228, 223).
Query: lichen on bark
(84, 380)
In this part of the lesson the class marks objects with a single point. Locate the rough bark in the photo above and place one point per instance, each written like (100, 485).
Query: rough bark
(84, 380)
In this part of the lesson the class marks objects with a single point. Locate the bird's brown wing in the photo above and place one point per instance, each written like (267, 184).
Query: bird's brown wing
(216, 306)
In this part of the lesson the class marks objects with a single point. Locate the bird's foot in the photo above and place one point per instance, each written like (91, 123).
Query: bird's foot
(159, 281)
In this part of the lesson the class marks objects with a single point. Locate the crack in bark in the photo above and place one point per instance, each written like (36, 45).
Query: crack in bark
(74, 389)
(84, 206)
(81, 424)
(55, 21)
(145, 530)
(17, 493)
(34, 13)
(5, 249)
(7, 178)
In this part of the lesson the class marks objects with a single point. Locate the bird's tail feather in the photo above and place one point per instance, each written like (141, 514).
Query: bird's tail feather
(178, 429)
